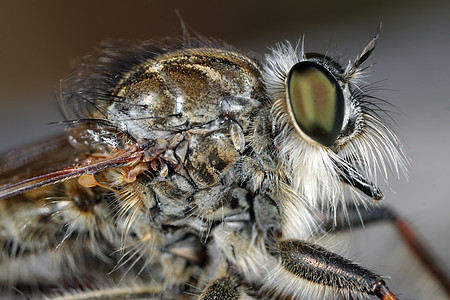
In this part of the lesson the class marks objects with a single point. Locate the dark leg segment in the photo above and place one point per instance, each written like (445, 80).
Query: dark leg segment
(416, 244)
(223, 288)
(320, 266)
(358, 217)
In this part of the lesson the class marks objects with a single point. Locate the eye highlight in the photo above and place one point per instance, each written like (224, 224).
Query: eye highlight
(316, 101)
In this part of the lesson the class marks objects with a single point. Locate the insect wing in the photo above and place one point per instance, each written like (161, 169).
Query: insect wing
(36, 157)
(24, 170)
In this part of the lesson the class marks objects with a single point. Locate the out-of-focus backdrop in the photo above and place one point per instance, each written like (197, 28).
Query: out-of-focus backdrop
(40, 41)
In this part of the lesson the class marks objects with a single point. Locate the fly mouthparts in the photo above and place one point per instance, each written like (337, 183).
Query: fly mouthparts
(354, 178)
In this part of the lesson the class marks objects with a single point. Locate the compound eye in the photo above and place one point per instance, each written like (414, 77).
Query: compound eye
(316, 101)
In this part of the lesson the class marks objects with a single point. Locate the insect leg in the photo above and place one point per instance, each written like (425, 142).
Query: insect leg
(279, 267)
(329, 270)
(415, 242)
(236, 263)
(226, 288)
(356, 217)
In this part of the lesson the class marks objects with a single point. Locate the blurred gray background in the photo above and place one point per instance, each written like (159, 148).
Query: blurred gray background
(40, 41)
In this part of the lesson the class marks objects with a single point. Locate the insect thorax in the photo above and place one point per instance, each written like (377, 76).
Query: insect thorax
(215, 101)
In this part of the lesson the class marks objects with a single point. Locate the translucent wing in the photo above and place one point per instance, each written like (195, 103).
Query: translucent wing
(53, 161)
(34, 157)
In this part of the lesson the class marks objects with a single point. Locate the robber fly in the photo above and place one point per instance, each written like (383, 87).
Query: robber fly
(192, 170)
